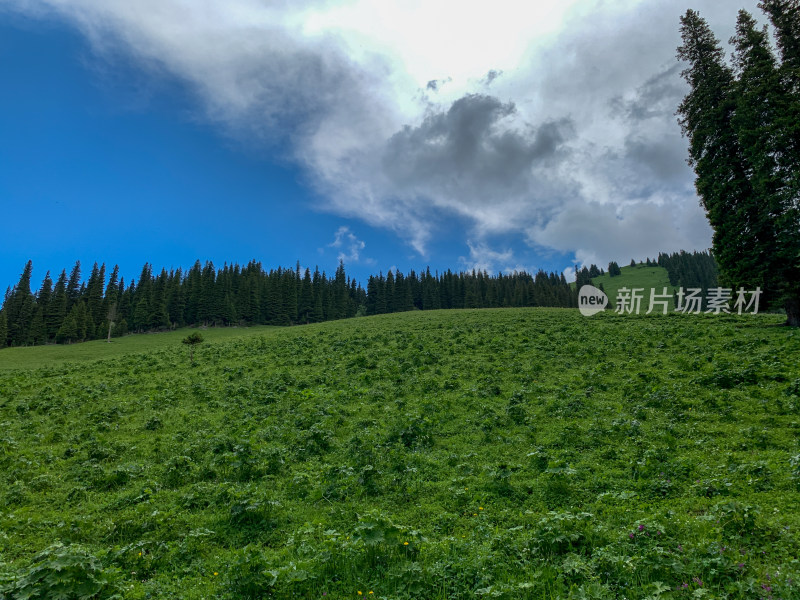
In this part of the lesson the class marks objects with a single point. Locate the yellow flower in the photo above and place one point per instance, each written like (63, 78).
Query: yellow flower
(405, 543)
(474, 514)
(140, 553)
(359, 593)
(480, 508)
(215, 573)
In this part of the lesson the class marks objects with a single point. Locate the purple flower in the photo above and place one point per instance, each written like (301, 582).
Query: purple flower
(630, 535)
(740, 565)
(697, 581)
(641, 527)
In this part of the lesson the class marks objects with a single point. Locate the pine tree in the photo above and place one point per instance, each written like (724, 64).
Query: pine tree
(289, 293)
(57, 310)
(38, 334)
(176, 298)
(68, 332)
(3, 328)
(318, 314)
(94, 298)
(19, 307)
(158, 318)
(389, 292)
(44, 298)
(735, 128)
(142, 299)
(705, 116)
(761, 103)
(125, 307)
(82, 320)
(74, 286)
(785, 16)
(305, 304)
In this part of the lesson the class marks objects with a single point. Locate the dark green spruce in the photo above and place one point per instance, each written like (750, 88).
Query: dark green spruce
(739, 139)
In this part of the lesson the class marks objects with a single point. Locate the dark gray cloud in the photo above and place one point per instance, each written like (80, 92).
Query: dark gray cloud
(472, 151)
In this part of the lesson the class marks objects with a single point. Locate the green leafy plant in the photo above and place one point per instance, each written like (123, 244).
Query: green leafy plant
(62, 572)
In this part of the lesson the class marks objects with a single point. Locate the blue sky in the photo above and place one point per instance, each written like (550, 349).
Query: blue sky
(118, 169)
(141, 132)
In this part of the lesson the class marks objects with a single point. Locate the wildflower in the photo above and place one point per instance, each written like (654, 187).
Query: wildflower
(641, 527)
(359, 593)
(405, 543)
(740, 565)
(480, 508)
(697, 581)
(215, 573)
(631, 535)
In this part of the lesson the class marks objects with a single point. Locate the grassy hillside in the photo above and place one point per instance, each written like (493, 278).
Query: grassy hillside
(640, 276)
(40, 356)
(518, 453)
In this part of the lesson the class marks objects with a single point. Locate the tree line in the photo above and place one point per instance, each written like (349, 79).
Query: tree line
(690, 270)
(742, 120)
(73, 310)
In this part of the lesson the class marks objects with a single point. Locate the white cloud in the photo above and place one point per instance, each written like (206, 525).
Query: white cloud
(483, 258)
(552, 121)
(348, 244)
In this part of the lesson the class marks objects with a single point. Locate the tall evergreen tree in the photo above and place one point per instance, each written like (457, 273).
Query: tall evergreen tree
(94, 298)
(305, 305)
(142, 298)
(74, 285)
(705, 117)
(733, 126)
(57, 309)
(19, 307)
(3, 328)
(68, 331)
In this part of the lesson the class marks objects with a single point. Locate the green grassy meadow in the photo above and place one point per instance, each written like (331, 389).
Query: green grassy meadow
(27, 357)
(640, 276)
(511, 453)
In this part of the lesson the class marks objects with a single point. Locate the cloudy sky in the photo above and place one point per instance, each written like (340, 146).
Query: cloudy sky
(503, 135)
